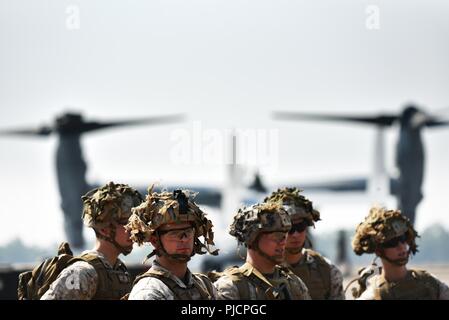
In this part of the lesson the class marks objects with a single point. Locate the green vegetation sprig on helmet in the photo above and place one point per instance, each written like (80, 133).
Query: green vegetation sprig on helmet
(251, 221)
(380, 226)
(166, 208)
(297, 206)
(108, 205)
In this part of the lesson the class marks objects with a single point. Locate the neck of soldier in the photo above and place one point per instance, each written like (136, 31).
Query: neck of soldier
(107, 249)
(293, 258)
(260, 262)
(176, 267)
(392, 272)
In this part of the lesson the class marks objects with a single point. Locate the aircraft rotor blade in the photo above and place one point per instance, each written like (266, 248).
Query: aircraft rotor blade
(94, 125)
(42, 131)
(380, 120)
(436, 123)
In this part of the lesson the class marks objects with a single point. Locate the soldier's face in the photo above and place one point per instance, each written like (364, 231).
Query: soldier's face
(122, 236)
(399, 253)
(177, 238)
(273, 244)
(296, 237)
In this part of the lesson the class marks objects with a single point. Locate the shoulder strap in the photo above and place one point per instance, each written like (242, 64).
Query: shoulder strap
(240, 280)
(203, 285)
(162, 277)
(324, 268)
(427, 278)
(200, 282)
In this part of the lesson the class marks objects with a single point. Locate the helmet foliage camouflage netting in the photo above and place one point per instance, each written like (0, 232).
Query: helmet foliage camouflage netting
(110, 203)
(250, 221)
(171, 207)
(382, 225)
(297, 206)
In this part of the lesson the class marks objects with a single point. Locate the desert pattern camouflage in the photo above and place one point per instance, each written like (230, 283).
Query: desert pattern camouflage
(150, 288)
(380, 226)
(440, 291)
(78, 281)
(228, 288)
(297, 206)
(250, 221)
(171, 207)
(322, 278)
(112, 202)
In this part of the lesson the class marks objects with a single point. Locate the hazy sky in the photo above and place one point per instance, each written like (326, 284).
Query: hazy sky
(226, 64)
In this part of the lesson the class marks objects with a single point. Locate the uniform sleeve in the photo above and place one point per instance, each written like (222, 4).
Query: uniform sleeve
(336, 290)
(150, 288)
(226, 289)
(368, 294)
(443, 289)
(76, 282)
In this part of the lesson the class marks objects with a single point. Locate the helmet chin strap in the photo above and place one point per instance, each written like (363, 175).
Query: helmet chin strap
(162, 252)
(397, 262)
(111, 239)
(266, 256)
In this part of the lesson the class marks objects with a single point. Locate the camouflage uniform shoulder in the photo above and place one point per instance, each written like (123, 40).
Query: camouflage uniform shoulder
(423, 275)
(284, 270)
(317, 256)
(420, 273)
(76, 282)
(215, 275)
(296, 282)
(207, 283)
(231, 284)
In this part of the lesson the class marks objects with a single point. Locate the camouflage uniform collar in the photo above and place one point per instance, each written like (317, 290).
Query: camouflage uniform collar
(248, 269)
(305, 258)
(119, 263)
(156, 266)
(308, 258)
(410, 275)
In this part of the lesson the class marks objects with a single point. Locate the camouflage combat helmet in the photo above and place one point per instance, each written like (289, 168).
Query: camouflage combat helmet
(297, 206)
(380, 226)
(110, 203)
(250, 221)
(170, 207)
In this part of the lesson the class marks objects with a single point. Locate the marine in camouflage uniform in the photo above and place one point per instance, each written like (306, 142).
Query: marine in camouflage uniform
(323, 279)
(262, 228)
(391, 236)
(101, 275)
(172, 223)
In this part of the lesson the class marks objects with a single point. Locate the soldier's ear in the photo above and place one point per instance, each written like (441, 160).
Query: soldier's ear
(378, 252)
(154, 240)
(105, 232)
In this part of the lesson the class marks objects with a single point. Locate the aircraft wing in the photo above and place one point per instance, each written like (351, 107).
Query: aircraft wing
(343, 185)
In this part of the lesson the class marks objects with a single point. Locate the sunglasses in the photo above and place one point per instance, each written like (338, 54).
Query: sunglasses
(298, 227)
(178, 234)
(395, 241)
